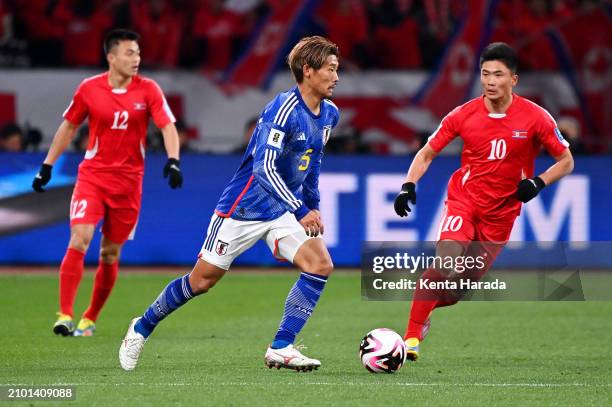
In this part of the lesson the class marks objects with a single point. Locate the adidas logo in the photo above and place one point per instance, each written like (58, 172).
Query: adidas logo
(301, 137)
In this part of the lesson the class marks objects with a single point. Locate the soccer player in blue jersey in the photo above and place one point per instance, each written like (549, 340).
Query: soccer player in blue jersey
(273, 196)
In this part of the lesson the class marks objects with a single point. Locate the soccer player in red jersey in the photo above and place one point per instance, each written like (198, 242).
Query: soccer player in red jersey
(118, 104)
(502, 134)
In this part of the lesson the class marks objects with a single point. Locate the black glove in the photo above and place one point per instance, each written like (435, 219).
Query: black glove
(529, 188)
(173, 170)
(408, 193)
(42, 178)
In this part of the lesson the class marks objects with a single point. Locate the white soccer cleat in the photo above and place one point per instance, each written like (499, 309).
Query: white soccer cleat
(131, 347)
(291, 358)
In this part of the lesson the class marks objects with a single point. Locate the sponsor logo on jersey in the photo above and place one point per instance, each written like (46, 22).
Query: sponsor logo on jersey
(221, 247)
(326, 134)
(301, 137)
(519, 134)
(140, 106)
(275, 138)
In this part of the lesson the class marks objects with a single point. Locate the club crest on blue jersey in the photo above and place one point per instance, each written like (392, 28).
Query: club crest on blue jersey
(326, 134)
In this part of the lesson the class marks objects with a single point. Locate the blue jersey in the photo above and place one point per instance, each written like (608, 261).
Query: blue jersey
(280, 168)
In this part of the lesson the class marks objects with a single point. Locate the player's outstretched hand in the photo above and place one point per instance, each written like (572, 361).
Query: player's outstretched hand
(42, 178)
(408, 193)
(312, 223)
(529, 188)
(172, 171)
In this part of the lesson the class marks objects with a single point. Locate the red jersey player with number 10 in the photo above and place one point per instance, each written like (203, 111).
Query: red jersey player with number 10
(502, 134)
(118, 104)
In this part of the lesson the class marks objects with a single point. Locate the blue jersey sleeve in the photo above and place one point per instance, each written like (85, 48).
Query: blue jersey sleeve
(272, 134)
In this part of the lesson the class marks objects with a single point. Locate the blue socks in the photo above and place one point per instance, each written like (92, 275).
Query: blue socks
(299, 305)
(176, 294)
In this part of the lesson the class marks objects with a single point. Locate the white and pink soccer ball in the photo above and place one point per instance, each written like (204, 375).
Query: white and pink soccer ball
(382, 351)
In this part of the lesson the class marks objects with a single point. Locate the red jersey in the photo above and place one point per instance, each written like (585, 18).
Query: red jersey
(118, 121)
(498, 151)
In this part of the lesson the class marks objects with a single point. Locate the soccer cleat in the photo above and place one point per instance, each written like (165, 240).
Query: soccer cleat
(64, 325)
(290, 357)
(131, 347)
(86, 327)
(412, 348)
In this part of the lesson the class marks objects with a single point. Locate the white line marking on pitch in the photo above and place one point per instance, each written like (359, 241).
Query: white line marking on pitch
(327, 384)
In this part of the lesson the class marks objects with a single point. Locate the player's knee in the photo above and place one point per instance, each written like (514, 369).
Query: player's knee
(449, 249)
(80, 241)
(201, 285)
(109, 255)
(322, 267)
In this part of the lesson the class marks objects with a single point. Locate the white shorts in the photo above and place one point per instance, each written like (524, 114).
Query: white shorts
(227, 238)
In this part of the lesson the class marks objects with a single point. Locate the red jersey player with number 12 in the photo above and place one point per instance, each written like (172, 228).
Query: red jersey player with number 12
(502, 135)
(118, 104)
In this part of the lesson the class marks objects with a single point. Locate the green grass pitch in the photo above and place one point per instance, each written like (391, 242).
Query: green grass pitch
(210, 352)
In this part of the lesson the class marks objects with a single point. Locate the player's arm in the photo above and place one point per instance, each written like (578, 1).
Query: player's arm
(563, 166)
(417, 169)
(171, 141)
(172, 169)
(444, 134)
(529, 188)
(420, 164)
(164, 120)
(312, 222)
(74, 115)
(63, 136)
(551, 138)
(271, 140)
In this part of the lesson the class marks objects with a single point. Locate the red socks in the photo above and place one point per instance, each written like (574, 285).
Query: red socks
(423, 304)
(419, 313)
(106, 275)
(71, 271)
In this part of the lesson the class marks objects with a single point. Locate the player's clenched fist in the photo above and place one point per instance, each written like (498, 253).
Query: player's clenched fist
(529, 188)
(172, 171)
(408, 193)
(312, 223)
(42, 178)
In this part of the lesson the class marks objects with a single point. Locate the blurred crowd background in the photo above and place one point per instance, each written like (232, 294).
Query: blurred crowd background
(210, 36)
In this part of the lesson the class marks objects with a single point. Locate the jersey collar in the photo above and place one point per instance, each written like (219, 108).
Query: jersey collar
(510, 109)
(296, 90)
(120, 91)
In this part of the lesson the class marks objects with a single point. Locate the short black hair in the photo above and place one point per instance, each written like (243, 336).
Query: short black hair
(117, 35)
(500, 51)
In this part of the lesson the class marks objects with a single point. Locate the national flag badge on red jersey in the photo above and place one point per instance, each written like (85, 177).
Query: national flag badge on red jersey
(519, 134)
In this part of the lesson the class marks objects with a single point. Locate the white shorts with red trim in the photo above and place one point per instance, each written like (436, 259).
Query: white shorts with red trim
(227, 238)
